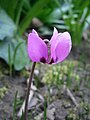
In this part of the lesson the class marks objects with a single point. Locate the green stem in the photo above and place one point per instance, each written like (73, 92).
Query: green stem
(9, 60)
(45, 110)
(28, 91)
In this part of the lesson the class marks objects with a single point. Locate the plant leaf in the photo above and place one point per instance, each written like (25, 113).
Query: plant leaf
(7, 26)
(21, 58)
(4, 49)
(35, 11)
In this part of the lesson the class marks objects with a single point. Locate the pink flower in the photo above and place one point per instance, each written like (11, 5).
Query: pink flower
(53, 51)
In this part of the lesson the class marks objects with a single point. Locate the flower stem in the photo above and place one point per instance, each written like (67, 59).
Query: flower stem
(28, 92)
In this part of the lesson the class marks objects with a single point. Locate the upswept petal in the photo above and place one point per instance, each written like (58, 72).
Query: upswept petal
(53, 43)
(37, 49)
(63, 47)
(33, 31)
(53, 38)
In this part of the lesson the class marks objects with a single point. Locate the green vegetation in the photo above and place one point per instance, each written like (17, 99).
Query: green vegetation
(3, 91)
(16, 21)
(16, 16)
(62, 73)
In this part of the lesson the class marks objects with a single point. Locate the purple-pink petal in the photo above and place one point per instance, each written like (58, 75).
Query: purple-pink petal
(63, 47)
(53, 43)
(37, 49)
(54, 36)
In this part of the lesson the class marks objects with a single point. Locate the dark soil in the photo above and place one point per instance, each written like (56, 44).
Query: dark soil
(12, 85)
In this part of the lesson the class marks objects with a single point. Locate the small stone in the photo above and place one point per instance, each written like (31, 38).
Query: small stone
(36, 72)
(67, 105)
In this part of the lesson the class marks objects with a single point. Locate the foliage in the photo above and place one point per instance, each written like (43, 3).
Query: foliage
(11, 49)
(18, 55)
(71, 15)
(15, 105)
(3, 91)
(63, 73)
(23, 11)
(15, 17)
(9, 6)
(34, 11)
(45, 110)
(7, 26)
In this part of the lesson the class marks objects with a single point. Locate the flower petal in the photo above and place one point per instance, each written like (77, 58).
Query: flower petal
(53, 38)
(63, 47)
(33, 31)
(54, 41)
(37, 49)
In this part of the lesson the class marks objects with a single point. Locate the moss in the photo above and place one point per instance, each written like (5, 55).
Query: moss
(24, 73)
(71, 116)
(60, 73)
(3, 91)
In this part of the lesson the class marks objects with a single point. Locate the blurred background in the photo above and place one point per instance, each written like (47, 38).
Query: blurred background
(17, 19)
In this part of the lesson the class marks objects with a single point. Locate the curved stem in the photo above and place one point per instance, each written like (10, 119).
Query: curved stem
(28, 91)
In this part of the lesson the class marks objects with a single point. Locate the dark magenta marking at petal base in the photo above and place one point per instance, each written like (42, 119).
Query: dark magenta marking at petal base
(52, 61)
(43, 60)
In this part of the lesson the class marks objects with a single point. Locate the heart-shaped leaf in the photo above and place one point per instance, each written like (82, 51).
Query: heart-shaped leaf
(18, 53)
(20, 56)
(7, 26)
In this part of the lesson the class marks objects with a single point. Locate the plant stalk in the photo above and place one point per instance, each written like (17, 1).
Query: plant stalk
(28, 92)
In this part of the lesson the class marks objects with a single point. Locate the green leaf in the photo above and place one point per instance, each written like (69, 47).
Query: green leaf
(15, 105)
(7, 26)
(4, 49)
(18, 59)
(21, 57)
(55, 15)
(35, 11)
(9, 6)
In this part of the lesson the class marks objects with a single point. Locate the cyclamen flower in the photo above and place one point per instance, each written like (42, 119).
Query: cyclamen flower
(53, 51)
